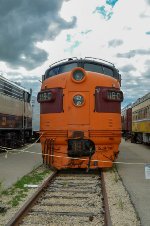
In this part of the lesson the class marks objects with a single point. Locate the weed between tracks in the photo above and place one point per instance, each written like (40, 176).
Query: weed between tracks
(14, 195)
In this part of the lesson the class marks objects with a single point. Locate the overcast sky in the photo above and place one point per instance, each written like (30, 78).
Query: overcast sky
(36, 33)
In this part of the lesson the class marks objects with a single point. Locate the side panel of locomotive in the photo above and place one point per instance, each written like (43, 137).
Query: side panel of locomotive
(80, 120)
(15, 114)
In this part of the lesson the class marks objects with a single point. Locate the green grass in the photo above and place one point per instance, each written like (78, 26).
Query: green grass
(34, 178)
(121, 205)
(18, 191)
(116, 176)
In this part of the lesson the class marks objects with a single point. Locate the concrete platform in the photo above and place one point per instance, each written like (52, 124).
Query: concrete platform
(16, 165)
(133, 177)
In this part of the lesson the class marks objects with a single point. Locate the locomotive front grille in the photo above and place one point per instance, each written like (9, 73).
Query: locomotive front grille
(80, 147)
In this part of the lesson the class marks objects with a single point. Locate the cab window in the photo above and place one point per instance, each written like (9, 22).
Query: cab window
(53, 71)
(61, 69)
(93, 67)
(108, 71)
(67, 67)
(98, 68)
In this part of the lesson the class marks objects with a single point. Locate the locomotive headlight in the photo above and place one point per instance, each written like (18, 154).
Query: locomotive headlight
(78, 100)
(78, 75)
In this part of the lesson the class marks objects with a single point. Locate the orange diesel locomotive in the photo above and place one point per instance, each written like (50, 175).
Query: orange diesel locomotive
(80, 119)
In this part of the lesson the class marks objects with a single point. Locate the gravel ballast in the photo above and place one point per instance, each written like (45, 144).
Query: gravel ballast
(121, 209)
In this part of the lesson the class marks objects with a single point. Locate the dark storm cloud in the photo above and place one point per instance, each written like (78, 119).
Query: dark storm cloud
(115, 43)
(133, 53)
(23, 23)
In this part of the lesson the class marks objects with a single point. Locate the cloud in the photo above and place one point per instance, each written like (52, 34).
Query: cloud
(134, 86)
(127, 68)
(86, 32)
(32, 81)
(23, 24)
(148, 2)
(146, 73)
(73, 46)
(115, 43)
(147, 62)
(133, 53)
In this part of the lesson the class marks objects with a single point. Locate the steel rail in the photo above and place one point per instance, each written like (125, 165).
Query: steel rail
(24, 209)
(16, 220)
(107, 216)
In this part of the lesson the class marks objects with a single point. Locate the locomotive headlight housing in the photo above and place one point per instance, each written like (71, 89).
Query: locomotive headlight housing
(45, 96)
(78, 75)
(78, 100)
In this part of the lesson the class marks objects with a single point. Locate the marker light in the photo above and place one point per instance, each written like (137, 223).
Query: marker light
(78, 100)
(45, 96)
(114, 95)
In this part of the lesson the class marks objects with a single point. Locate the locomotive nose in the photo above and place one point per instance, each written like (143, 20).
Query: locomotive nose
(78, 107)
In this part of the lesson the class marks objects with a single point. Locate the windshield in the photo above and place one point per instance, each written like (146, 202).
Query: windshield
(88, 66)
(98, 68)
(61, 69)
(67, 67)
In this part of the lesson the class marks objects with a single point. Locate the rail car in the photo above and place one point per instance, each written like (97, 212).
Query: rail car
(141, 120)
(80, 113)
(136, 120)
(15, 114)
(126, 119)
(35, 118)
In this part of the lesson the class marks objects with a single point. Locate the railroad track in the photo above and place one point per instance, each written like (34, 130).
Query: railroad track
(75, 198)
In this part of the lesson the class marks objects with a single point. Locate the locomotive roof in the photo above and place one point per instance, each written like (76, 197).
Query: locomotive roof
(13, 84)
(86, 59)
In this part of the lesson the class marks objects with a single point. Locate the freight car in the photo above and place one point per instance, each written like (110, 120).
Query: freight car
(80, 114)
(15, 114)
(141, 120)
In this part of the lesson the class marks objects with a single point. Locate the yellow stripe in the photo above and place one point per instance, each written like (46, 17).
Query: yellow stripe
(141, 126)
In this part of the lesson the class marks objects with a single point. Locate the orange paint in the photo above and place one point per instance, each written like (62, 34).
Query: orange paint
(103, 129)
